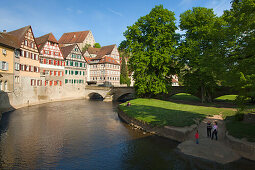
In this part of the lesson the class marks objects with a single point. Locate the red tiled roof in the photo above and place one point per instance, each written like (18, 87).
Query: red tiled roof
(174, 81)
(20, 33)
(67, 50)
(40, 41)
(105, 50)
(9, 40)
(73, 37)
(105, 59)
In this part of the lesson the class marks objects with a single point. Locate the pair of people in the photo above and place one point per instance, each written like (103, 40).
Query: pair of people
(212, 130)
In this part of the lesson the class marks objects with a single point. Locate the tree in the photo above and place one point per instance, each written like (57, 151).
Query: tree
(240, 51)
(97, 45)
(151, 43)
(85, 48)
(201, 50)
(124, 79)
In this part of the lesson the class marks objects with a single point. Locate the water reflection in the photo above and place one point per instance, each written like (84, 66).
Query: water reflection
(83, 134)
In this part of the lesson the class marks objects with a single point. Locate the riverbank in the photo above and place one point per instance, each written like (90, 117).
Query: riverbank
(156, 115)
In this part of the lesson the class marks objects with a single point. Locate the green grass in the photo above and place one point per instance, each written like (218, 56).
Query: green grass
(241, 130)
(162, 113)
(185, 96)
(226, 98)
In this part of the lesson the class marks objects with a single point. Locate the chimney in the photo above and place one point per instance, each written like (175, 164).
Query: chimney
(4, 31)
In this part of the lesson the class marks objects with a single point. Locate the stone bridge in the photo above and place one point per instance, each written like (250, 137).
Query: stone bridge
(115, 93)
(108, 93)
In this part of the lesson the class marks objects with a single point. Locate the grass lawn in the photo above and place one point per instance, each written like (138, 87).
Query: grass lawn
(241, 130)
(162, 113)
(226, 98)
(185, 96)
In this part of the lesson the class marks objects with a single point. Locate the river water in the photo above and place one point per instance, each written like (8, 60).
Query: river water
(82, 134)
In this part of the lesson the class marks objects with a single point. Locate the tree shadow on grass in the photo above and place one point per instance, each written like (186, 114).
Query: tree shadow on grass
(158, 116)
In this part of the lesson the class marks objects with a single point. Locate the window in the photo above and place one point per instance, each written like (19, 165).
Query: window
(1, 85)
(66, 72)
(17, 66)
(4, 65)
(66, 81)
(32, 45)
(25, 42)
(16, 79)
(4, 51)
(5, 86)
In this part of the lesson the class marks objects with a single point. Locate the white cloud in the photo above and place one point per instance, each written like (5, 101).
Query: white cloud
(219, 6)
(115, 12)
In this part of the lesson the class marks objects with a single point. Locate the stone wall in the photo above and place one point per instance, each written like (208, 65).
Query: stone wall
(244, 148)
(175, 133)
(26, 95)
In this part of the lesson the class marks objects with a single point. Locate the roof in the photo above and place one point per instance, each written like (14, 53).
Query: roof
(40, 41)
(20, 33)
(67, 50)
(92, 50)
(73, 37)
(9, 40)
(105, 50)
(104, 59)
(174, 81)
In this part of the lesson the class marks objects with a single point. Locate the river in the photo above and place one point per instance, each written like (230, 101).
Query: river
(83, 134)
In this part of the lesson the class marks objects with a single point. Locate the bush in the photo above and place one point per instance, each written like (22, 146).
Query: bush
(239, 116)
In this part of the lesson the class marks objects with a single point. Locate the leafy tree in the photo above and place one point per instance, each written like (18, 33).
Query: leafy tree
(97, 45)
(151, 43)
(85, 48)
(124, 79)
(201, 51)
(240, 51)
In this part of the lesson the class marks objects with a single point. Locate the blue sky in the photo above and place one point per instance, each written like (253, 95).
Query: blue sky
(107, 19)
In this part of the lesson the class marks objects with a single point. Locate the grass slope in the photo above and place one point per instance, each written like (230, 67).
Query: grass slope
(162, 113)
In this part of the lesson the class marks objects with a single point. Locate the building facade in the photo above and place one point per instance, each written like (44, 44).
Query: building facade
(80, 38)
(105, 70)
(29, 58)
(9, 62)
(51, 60)
(76, 66)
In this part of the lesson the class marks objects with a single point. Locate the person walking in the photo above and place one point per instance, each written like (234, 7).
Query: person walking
(215, 131)
(197, 137)
(209, 129)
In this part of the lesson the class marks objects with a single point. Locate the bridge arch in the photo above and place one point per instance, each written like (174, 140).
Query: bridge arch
(124, 96)
(95, 96)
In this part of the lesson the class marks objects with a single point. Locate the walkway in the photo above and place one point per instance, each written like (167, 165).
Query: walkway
(213, 150)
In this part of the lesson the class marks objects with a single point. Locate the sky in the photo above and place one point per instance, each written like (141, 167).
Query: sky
(107, 19)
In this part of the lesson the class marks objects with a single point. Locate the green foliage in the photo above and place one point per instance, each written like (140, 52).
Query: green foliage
(85, 48)
(124, 79)
(97, 45)
(165, 113)
(200, 50)
(151, 43)
(239, 116)
(240, 51)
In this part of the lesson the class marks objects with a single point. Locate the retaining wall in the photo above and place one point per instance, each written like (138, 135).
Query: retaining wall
(244, 148)
(175, 133)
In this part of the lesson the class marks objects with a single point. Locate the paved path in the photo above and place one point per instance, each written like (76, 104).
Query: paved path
(213, 150)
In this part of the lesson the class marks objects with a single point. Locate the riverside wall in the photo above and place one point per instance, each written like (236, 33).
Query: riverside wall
(241, 146)
(174, 133)
(26, 95)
